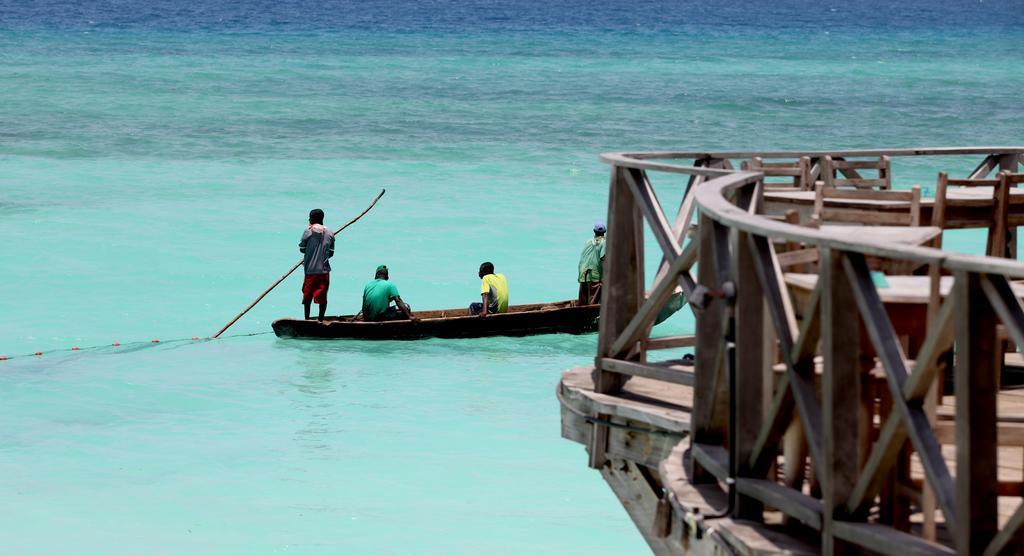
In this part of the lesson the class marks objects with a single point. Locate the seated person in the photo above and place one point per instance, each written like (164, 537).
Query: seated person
(377, 297)
(493, 292)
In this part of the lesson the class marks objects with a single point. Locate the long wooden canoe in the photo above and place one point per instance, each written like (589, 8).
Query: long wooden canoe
(520, 320)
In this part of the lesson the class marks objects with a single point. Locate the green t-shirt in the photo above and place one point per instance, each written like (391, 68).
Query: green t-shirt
(497, 287)
(590, 260)
(377, 296)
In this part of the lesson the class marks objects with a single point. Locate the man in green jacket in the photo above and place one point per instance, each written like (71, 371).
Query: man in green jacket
(591, 271)
(377, 297)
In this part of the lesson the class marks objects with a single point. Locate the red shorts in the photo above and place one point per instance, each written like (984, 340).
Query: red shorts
(314, 288)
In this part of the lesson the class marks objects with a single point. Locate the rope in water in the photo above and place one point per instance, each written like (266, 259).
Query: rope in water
(134, 345)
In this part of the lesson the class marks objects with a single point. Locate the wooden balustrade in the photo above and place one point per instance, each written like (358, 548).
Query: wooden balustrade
(840, 344)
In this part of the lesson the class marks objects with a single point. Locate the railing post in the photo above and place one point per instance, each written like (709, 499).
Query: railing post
(1009, 162)
(842, 420)
(705, 426)
(623, 275)
(623, 293)
(751, 368)
(975, 382)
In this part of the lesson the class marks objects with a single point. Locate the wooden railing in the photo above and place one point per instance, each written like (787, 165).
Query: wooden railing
(746, 322)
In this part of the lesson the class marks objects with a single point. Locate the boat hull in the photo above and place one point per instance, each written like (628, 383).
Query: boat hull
(521, 320)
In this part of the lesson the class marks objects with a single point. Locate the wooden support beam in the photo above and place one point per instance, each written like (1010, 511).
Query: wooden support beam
(798, 377)
(842, 418)
(623, 276)
(794, 503)
(707, 428)
(936, 343)
(1007, 534)
(984, 168)
(891, 438)
(624, 292)
(1006, 305)
(882, 539)
(712, 458)
(752, 370)
(892, 435)
(665, 371)
(671, 342)
(663, 290)
(780, 411)
(649, 205)
(890, 353)
(1010, 163)
(975, 382)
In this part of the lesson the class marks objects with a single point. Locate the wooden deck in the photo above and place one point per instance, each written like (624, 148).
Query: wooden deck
(664, 410)
(826, 410)
(644, 462)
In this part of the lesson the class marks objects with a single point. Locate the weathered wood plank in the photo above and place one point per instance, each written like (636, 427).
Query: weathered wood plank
(640, 502)
(794, 503)
(1006, 535)
(623, 291)
(752, 370)
(650, 207)
(883, 456)
(937, 342)
(842, 419)
(975, 381)
(671, 342)
(798, 378)
(886, 540)
(665, 371)
(714, 459)
(707, 427)
(984, 168)
(890, 353)
(662, 292)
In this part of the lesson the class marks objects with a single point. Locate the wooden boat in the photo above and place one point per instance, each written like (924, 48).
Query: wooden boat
(520, 320)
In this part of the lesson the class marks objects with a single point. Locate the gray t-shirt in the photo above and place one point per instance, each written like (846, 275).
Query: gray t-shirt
(318, 245)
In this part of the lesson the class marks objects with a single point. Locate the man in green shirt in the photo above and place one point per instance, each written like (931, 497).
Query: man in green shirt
(591, 263)
(377, 297)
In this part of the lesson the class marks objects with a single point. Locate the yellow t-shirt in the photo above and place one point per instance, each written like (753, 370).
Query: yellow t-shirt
(497, 286)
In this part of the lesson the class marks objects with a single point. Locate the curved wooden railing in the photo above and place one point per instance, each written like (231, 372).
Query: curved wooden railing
(742, 305)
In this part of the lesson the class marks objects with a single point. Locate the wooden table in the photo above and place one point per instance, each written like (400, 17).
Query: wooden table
(968, 207)
(904, 235)
(905, 299)
(901, 235)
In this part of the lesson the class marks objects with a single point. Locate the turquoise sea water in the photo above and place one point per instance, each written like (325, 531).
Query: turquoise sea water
(156, 168)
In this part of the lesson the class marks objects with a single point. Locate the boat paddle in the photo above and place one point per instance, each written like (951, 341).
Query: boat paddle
(297, 265)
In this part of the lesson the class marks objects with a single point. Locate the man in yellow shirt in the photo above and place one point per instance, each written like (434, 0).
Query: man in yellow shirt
(493, 292)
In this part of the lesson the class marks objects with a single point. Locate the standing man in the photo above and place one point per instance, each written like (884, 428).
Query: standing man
(591, 267)
(493, 292)
(317, 245)
(377, 297)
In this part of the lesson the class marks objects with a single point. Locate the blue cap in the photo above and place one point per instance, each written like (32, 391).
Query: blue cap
(600, 228)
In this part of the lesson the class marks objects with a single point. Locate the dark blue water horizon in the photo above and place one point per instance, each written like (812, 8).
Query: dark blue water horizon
(502, 15)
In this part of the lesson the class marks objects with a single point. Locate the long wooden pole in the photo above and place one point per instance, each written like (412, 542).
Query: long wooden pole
(297, 265)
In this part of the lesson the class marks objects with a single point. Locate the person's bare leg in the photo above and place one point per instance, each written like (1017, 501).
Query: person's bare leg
(305, 306)
(323, 311)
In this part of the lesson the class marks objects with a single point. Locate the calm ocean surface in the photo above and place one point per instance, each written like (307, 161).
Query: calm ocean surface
(158, 160)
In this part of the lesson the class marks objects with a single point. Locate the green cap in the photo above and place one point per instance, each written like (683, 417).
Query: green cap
(382, 268)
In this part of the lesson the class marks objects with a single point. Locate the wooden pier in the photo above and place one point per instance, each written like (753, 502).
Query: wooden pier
(854, 385)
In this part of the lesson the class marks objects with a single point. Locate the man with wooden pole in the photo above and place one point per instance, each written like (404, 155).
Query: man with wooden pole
(317, 246)
(297, 265)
